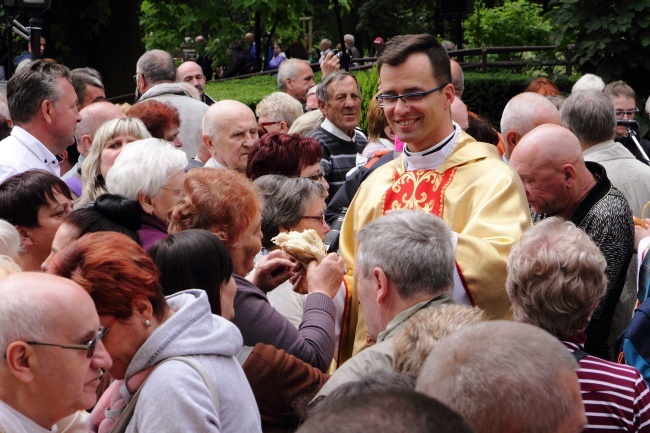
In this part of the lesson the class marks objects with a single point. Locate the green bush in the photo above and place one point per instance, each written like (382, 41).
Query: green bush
(485, 94)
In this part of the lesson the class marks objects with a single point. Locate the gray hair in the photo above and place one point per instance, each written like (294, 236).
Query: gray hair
(144, 167)
(82, 77)
(4, 108)
(391, 243)
(327, 42)
(288, 69)
(589, 82)
(285, 200)
(521, 111)
(475, 369)
(556, 274)
(279, 106)
(323, 89)
(307, 123)
(590, 115)
(348, 38)
(23, 317)
(36, 83)
(157, 66)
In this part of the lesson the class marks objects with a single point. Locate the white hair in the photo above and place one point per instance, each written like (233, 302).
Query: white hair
(22, 317)
(144, 166)
(280, 106)
(589, 82)
(9, 240)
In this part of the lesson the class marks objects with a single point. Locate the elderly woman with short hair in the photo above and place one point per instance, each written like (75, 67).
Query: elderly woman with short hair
(556, 277)
(151, 172)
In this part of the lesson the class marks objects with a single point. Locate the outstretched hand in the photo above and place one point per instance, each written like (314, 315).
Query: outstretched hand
(273, 270)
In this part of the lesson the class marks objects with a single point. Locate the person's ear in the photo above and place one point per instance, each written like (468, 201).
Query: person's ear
(21, 360)
(389, 133)
(284, 127)
(207, 140)
(145, 203)
(510, 141)
(321, 106)
(142, 308)
(26, 236)
(221, 235)
(288, 83)
(380, 283)
(86, 143)
(47, 111)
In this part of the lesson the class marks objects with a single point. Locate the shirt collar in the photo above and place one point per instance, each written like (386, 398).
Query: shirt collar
(334, 130)
(35, 146)
(432, 157)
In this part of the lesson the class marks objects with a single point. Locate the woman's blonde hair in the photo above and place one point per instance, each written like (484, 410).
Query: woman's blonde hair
(93, 182)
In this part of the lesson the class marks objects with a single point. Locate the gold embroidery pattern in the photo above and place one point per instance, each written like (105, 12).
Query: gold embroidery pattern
(418, 190)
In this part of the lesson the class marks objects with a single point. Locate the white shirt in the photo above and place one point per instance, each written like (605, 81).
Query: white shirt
(213, 163)
(12, 421)
(21, 151)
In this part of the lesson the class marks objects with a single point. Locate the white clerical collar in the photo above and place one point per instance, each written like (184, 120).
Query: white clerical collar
(334, 130)
(213, 163)
(432, 157)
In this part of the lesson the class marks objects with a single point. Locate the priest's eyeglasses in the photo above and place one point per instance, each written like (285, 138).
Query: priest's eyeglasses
(407, 98)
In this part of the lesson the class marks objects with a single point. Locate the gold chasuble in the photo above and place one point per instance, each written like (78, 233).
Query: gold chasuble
(475, 193)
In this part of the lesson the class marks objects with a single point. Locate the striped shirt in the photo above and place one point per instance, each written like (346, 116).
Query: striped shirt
(339, 155)
(615, 396)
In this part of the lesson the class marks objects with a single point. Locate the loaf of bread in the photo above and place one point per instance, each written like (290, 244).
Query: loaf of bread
(304, 246)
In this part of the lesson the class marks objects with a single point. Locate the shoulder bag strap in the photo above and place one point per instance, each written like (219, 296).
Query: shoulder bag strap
(127, 414)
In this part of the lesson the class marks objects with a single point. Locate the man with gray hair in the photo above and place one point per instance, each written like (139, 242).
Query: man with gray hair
(229, 131)
(325, 47)
(393, 287)
(506, 377)
(589, 114)
(339, 99)
(522, 114)
(43, 108)
(295, 78)
(155, 78)
(50, 340)
(277, 112)
(87, 83)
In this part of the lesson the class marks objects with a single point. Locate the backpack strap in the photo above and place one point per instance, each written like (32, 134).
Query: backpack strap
(127, 414)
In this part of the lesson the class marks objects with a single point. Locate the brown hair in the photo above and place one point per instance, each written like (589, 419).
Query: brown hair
(399, 48)
(216, 200)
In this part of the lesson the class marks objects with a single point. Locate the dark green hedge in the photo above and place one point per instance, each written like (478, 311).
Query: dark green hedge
(485, 94)
(488, 94)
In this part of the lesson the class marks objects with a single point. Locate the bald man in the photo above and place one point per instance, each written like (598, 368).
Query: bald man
(192, 73)
(229, 131)
(457, 78)
(521, 114)
(53, 355)
(558, 182)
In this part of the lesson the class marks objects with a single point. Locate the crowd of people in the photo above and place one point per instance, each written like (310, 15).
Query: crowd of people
(474, 281)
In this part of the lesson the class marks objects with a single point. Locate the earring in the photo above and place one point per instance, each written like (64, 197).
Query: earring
(147, 324)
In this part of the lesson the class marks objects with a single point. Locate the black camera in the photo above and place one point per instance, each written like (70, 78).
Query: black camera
(338, 53)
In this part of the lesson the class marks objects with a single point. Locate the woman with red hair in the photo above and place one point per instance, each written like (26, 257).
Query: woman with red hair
(162, 120)
(143, 330)
(290, 155)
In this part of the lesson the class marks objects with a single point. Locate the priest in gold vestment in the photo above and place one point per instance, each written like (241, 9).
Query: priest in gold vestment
(442, 171)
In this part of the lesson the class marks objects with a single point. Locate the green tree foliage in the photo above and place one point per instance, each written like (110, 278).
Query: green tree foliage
(166, 23)
(389, 18)
(612, 38)
(515, 23)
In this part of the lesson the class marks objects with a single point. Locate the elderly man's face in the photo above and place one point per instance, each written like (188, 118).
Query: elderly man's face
(304, 81)
(68, 374)
(234, 140)
(545, 186)
(343, 108)
(192, 73)
(368, 301)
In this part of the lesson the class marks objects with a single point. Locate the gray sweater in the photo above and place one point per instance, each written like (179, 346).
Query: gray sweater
(175, 398)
